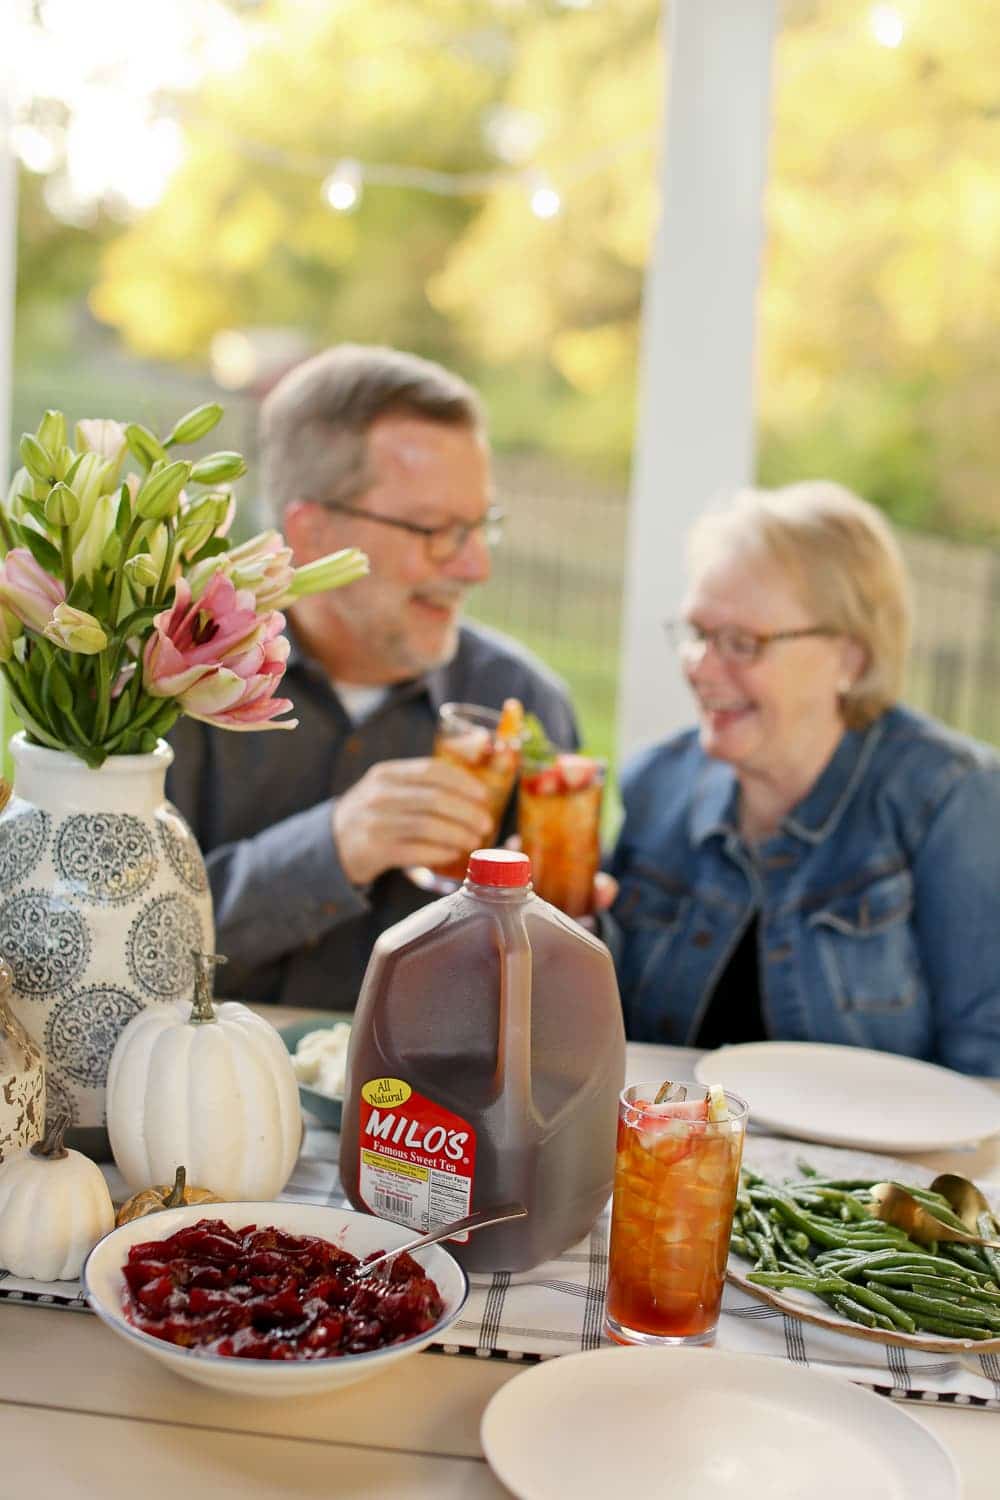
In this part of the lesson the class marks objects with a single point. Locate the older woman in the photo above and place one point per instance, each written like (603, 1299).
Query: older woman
(814, 861)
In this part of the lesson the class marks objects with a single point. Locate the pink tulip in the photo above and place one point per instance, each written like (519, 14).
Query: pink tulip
(27, 590)
(219, 658)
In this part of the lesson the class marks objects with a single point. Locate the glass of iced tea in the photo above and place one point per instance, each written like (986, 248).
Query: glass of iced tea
(487, 743)
(559, 823)
(676, 1176)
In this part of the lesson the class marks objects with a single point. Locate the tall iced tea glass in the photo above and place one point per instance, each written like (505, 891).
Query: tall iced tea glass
(676, 1176)
(559, 823)
(469, 736)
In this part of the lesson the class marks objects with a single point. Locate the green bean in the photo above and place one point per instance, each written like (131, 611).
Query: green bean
(800, 1220)
(762, 1223)
(895, 1259)
(939, 1207)
(955, 1330)
(938, 1307)
(763, 1249)
(987, 1226)
(799, 1279)
(935, 1283)
(784, 1246)
(870, 1298)
(844, 1202)
(966, 1256)
(819, 1235)
(849, 1308)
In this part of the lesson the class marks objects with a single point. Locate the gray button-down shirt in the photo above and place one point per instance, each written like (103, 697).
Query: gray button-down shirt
(289, 921)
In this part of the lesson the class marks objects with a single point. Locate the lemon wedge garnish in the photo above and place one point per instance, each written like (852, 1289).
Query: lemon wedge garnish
(718, 1109)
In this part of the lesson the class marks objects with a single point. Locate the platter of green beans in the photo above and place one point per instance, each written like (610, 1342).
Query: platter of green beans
(810, 1245)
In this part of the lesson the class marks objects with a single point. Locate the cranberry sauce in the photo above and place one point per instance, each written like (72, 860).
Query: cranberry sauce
(264, 1294)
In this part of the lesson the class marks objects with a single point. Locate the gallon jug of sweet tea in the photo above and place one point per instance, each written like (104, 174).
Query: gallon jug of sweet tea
(486, 1058)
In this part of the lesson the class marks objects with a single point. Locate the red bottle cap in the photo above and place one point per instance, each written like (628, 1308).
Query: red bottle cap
(499, 867)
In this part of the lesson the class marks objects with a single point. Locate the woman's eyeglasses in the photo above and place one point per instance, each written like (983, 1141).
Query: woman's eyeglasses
(731, 642)
(442, 542)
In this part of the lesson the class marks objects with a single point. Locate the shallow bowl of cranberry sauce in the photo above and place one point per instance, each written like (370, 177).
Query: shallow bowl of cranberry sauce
(265, 1299)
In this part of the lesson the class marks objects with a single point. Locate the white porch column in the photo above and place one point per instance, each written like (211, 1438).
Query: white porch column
(696, 416)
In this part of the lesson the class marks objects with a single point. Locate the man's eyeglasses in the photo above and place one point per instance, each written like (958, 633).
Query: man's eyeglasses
(731, 642)
(442, 542)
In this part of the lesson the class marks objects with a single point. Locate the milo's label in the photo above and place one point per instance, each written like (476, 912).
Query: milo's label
(417, 1159)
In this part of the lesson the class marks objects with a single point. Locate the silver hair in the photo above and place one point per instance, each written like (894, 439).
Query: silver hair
(314, 424)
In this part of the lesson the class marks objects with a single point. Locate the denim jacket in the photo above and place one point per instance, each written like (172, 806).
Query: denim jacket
(879, 898)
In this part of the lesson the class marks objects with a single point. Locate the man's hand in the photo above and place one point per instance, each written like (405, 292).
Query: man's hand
(424, 811)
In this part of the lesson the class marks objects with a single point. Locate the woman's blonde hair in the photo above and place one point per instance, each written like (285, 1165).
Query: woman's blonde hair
(844, 562)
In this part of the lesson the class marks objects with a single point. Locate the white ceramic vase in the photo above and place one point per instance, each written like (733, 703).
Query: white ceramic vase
(103, 895)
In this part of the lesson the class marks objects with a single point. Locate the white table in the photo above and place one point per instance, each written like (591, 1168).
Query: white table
(83, 1414)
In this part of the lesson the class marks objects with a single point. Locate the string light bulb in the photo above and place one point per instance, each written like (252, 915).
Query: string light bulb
(545, 201)
(887, 26)
(342, 189)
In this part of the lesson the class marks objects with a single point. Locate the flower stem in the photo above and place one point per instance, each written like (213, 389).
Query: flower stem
(103, 698)
(168, 564)
(66, 547)
(116, 592)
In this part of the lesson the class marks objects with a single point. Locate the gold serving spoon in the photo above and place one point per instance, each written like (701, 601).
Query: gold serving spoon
(965, 1198)
(894, 1205)
(6, 790)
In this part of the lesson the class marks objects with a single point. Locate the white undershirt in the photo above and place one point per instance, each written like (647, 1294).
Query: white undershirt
(359, 699)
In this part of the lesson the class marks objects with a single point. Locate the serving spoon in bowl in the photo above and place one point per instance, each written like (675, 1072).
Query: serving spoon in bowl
(965, 1198)
(895, 1205)
(479, 1220)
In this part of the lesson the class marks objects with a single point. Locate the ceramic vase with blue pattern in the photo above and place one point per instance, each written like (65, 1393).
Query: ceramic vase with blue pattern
(103, 895)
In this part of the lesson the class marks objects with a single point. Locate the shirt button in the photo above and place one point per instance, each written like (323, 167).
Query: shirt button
(702, 939)
(330, 908)
(352, 744)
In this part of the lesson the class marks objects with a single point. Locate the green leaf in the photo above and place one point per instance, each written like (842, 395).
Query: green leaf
(535, 743)
(74, 466)
(100, 597)
(112, 551)
(214, 547)
(80, 595)
(35, 509)
(57, 683)
(124, 516)
(120, 715)
(167, 717)
(45, 554)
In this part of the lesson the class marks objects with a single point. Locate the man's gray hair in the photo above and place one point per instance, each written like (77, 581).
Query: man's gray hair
(314, 424)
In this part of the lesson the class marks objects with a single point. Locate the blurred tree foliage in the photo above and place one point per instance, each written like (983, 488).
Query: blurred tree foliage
(879, 364)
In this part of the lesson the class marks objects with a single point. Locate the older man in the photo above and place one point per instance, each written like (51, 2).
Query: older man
(307, 835)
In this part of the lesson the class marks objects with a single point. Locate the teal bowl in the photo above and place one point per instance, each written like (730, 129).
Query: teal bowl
(322, 1107)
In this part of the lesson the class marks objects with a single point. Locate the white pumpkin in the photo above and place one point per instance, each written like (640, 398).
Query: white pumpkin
(54, 1207)
(208, 1087)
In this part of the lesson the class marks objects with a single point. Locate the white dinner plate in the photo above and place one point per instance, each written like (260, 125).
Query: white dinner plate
(697, 1422)
(849, 1096)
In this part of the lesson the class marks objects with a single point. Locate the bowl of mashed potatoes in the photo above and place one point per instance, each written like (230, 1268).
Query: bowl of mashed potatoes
(318, 1048)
